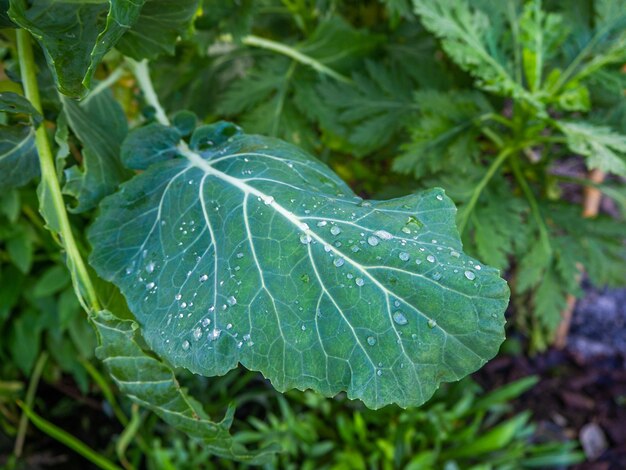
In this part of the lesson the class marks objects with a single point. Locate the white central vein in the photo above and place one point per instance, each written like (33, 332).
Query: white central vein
(197, 161)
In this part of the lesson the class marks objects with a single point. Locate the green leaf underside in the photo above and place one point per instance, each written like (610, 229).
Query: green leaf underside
(128, 365)
(100, 124)
(254, 252)
(157, 28)
(75, 35)
(18, 156)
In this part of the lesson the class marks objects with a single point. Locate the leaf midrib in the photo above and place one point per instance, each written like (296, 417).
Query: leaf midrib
(199, 162)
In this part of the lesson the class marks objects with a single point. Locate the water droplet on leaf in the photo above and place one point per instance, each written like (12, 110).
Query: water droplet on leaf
(399, 318)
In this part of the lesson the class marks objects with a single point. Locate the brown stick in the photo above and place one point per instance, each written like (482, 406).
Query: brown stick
(591, 205)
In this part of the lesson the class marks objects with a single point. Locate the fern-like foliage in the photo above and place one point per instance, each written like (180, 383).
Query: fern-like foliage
(444, 138)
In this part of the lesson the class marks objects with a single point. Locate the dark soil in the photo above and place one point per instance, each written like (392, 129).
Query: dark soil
(582, 389)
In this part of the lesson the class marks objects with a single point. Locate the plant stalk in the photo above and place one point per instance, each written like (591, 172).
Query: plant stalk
(49, 181)
(292, 53)
(467, 210)
(30, 398)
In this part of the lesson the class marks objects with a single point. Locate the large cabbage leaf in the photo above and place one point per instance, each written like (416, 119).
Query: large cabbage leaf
(245, 249)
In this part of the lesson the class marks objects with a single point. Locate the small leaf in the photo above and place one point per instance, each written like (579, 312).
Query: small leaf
(15, 104)
(254, 252)
(604, 148)
(152, 384)
(18, 155)
(100, 124)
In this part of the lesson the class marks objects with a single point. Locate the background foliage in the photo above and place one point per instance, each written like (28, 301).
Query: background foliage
(505, 105)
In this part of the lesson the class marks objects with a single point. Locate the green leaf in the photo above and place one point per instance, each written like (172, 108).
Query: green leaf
(541, 35)
(152, 384)
(15, 104)
(51, 281)
(470, 39)
(254, 252)
(445, 134)
(18, 156)
(100, 124)
(20, 248)
(374, 109)
(74, 34)
(604, 148)
(156, 30)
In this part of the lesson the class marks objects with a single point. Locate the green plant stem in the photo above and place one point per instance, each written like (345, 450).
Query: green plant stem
(292, 53)
(495, 117)
(571, 68)
(142, 74)
(127, 436)
(467, 210)
(30, 398)
(68, 440)
(106, 391)
(534, 206)
(49, 177)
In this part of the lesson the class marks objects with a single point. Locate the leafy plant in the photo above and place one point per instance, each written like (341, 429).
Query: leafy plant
(546, 92)
(230, 247)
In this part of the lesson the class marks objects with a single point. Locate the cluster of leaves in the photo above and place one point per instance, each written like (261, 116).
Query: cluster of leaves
(489, 120)
(504, 106)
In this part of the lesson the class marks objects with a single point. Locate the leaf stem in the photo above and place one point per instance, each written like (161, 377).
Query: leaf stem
(292, 53)
(534, 206)
(467, 210)
(30, 398)
(49, 183)
(142, 74)
(67, 439)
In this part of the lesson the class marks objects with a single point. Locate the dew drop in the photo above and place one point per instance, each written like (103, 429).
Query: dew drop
(432, 323)
(430, 258)
(206, 322)
(150, 266)
(231, 301)
(359, 281)
(305, 239)
(268, 200)
(335, 230)
(404, 256)
(470, 275)
(214, 334)
(406, 230)
(371, 340)
(477, 267)
(439, 197)
(436, 276)
(203, 278)
(379, 372)
(456, 254)
(399, 318)
(183, 305)
(373, 240)
(322, 223)
(178, 296)
(185, 345)
(197, 333)
(383, 234)
(239, 255)
(303, 327)
(150, 285)
(338, 262)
